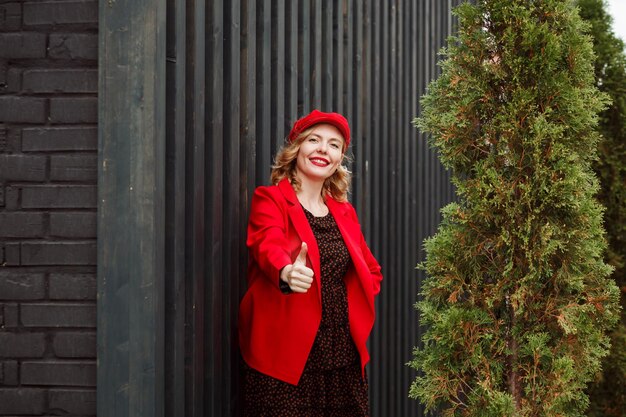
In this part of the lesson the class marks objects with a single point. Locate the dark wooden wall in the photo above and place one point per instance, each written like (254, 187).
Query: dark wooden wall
(234, 76)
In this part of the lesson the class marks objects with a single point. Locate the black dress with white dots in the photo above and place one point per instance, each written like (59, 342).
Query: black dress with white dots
(331, 384)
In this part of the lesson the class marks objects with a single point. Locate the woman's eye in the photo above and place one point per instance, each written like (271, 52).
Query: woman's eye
(334, 145)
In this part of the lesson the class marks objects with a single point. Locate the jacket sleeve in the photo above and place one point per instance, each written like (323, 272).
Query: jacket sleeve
(371, 262)
(267, 237)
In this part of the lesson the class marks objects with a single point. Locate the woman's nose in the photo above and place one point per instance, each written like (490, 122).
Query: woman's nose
(323, 147)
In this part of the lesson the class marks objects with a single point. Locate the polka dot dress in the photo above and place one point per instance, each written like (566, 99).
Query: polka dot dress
(331, 385)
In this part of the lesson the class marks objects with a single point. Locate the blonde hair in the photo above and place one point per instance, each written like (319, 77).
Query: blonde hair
(337, 185)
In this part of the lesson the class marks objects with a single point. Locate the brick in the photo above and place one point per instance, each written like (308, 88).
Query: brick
(73, 286)
(10, 318)
(58, 253)
(74, 168)
(10, 140)
(22, 45)
(73, 46)
(8, 373)
(74, 345)
(22, 167)
(21, 224)
(22, 345)
(72, 138)
(73, 402)
(14, 140)
(11, 253)
(11, 198)
(59, 373)
(22, 401)
(61, 12)
(59, 196)
(73, 225)
(60, 80)
(74, 110)
(22, 109)
(10, 16)
(16, 285)
(58, 315)
(12, 82)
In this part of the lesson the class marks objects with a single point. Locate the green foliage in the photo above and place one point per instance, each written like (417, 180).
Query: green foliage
(517, 300)
(608, 394)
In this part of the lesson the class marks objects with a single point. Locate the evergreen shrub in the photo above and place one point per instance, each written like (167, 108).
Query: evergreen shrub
(518, 297)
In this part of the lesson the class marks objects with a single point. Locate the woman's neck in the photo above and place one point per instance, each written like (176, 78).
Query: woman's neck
(310, 196)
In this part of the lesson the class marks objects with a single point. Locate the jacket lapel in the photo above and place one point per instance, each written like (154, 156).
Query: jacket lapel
(349, 230)
(351, 233)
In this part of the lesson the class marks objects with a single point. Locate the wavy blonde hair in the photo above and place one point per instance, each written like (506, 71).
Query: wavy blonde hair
(337, 185)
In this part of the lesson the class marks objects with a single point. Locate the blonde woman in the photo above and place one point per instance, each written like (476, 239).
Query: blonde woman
(309, 308)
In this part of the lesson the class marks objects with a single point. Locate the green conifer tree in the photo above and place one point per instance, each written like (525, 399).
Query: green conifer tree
(608, 392)
(518, 297)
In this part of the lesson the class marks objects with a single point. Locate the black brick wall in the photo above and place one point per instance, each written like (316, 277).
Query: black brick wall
(48, 173)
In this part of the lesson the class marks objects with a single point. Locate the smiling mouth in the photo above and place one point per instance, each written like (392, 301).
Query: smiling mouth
(319, 162)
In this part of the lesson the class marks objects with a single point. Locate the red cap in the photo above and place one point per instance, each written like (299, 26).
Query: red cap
(317, 117)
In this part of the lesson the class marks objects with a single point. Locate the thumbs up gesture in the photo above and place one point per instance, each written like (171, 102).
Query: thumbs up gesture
(297, 275)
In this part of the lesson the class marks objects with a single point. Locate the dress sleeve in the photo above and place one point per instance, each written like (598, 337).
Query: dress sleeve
(267, 237)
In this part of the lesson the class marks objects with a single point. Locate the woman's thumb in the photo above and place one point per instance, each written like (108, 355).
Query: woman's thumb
(302, 255)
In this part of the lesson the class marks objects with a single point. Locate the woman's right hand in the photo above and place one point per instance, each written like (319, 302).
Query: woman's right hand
(297, 275)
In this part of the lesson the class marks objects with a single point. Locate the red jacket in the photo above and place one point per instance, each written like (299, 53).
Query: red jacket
(276, 330)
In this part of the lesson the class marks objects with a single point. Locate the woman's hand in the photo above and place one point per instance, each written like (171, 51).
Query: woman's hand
(298, 276)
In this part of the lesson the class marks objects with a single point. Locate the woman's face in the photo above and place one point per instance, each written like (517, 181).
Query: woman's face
(320, 153)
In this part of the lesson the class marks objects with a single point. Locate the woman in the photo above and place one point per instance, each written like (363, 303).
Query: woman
(309, 307)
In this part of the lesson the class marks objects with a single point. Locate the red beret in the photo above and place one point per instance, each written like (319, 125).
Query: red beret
(317, 117)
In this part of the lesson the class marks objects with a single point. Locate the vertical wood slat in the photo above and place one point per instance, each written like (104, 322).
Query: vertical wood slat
(214, 296)
(264, 92)
(337, 70)
(316, 54)
(131, 208)
(327, 53)
(376, 171)
(232, 217)
(175, 133)
(247, 151)
(346, 62)
(304, 61)
(195, 203)
(360, 117)
(278, 76)
(248, 99)
(291, 65)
